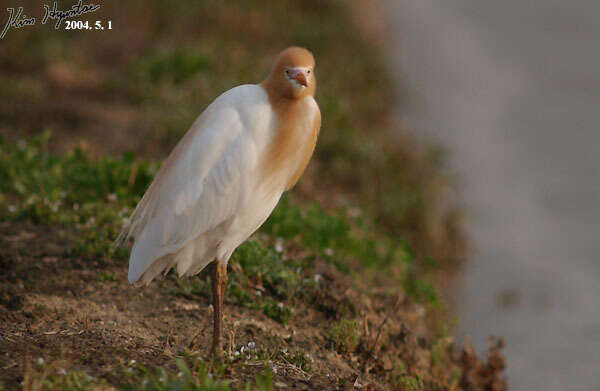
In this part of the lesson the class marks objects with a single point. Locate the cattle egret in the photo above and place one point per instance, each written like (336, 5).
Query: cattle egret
(225, 177)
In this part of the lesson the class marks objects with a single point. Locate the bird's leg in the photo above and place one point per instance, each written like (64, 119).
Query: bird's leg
(219, 282)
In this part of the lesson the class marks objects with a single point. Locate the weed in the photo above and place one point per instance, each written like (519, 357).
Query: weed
(420, 288)
(298, 357)
(51, 377)
(178, 64)
(91, 197)
(106, 276)
(277, 311)
(411, 383)
(344, 336)
(264, 381)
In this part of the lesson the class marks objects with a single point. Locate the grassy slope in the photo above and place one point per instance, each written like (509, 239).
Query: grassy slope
(328, 291)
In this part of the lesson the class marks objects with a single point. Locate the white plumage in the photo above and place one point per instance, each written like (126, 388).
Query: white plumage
(209, 197)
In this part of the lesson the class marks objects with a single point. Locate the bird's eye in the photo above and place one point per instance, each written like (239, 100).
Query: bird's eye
(308, 72)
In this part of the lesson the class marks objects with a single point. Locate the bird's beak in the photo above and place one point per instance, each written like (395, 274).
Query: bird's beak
(298, 75)
(301, 78)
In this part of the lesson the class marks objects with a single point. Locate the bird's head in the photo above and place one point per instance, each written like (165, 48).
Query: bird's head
(293, 75)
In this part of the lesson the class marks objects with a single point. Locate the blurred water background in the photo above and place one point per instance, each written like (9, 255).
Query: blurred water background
(512, 89)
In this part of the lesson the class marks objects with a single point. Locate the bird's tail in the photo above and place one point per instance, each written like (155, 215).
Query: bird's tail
(147, 260)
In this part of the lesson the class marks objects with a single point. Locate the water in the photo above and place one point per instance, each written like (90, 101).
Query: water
(512, 89)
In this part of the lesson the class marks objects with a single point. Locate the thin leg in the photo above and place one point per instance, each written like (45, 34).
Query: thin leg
(219, 282)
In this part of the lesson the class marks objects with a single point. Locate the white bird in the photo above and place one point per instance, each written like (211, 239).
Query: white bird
(225, 177)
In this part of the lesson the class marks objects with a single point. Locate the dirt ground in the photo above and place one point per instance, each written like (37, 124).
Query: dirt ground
(59, 309)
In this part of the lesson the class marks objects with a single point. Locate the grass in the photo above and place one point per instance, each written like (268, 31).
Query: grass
(344, 336)
(411, 383)
(92, 198)
(299, 358)
(97, 194)
(194, 376)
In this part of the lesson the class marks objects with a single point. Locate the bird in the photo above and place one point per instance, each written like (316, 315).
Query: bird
(225, 176)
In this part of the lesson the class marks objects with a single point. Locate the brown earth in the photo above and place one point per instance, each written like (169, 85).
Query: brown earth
(58, 308)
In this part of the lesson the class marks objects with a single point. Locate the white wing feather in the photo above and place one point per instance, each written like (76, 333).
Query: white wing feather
(201, 185)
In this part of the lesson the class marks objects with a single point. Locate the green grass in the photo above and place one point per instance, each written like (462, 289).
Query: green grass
(91, 198)
(27, 170)
(177, 65)
(191, 375)
(344, 336)
(96, 195)
(411, 383)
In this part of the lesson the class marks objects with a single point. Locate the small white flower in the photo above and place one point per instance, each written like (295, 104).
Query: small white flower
(61, 371)
(328, 252)
(280, 305)
(40, 361)
(112, 197)
(179, 374)
(12, 208)
(132, 362)
(318, 278)
(251, 345)
(279, 245)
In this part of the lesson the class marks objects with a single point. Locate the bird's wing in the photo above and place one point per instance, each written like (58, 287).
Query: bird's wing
(201, 183)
